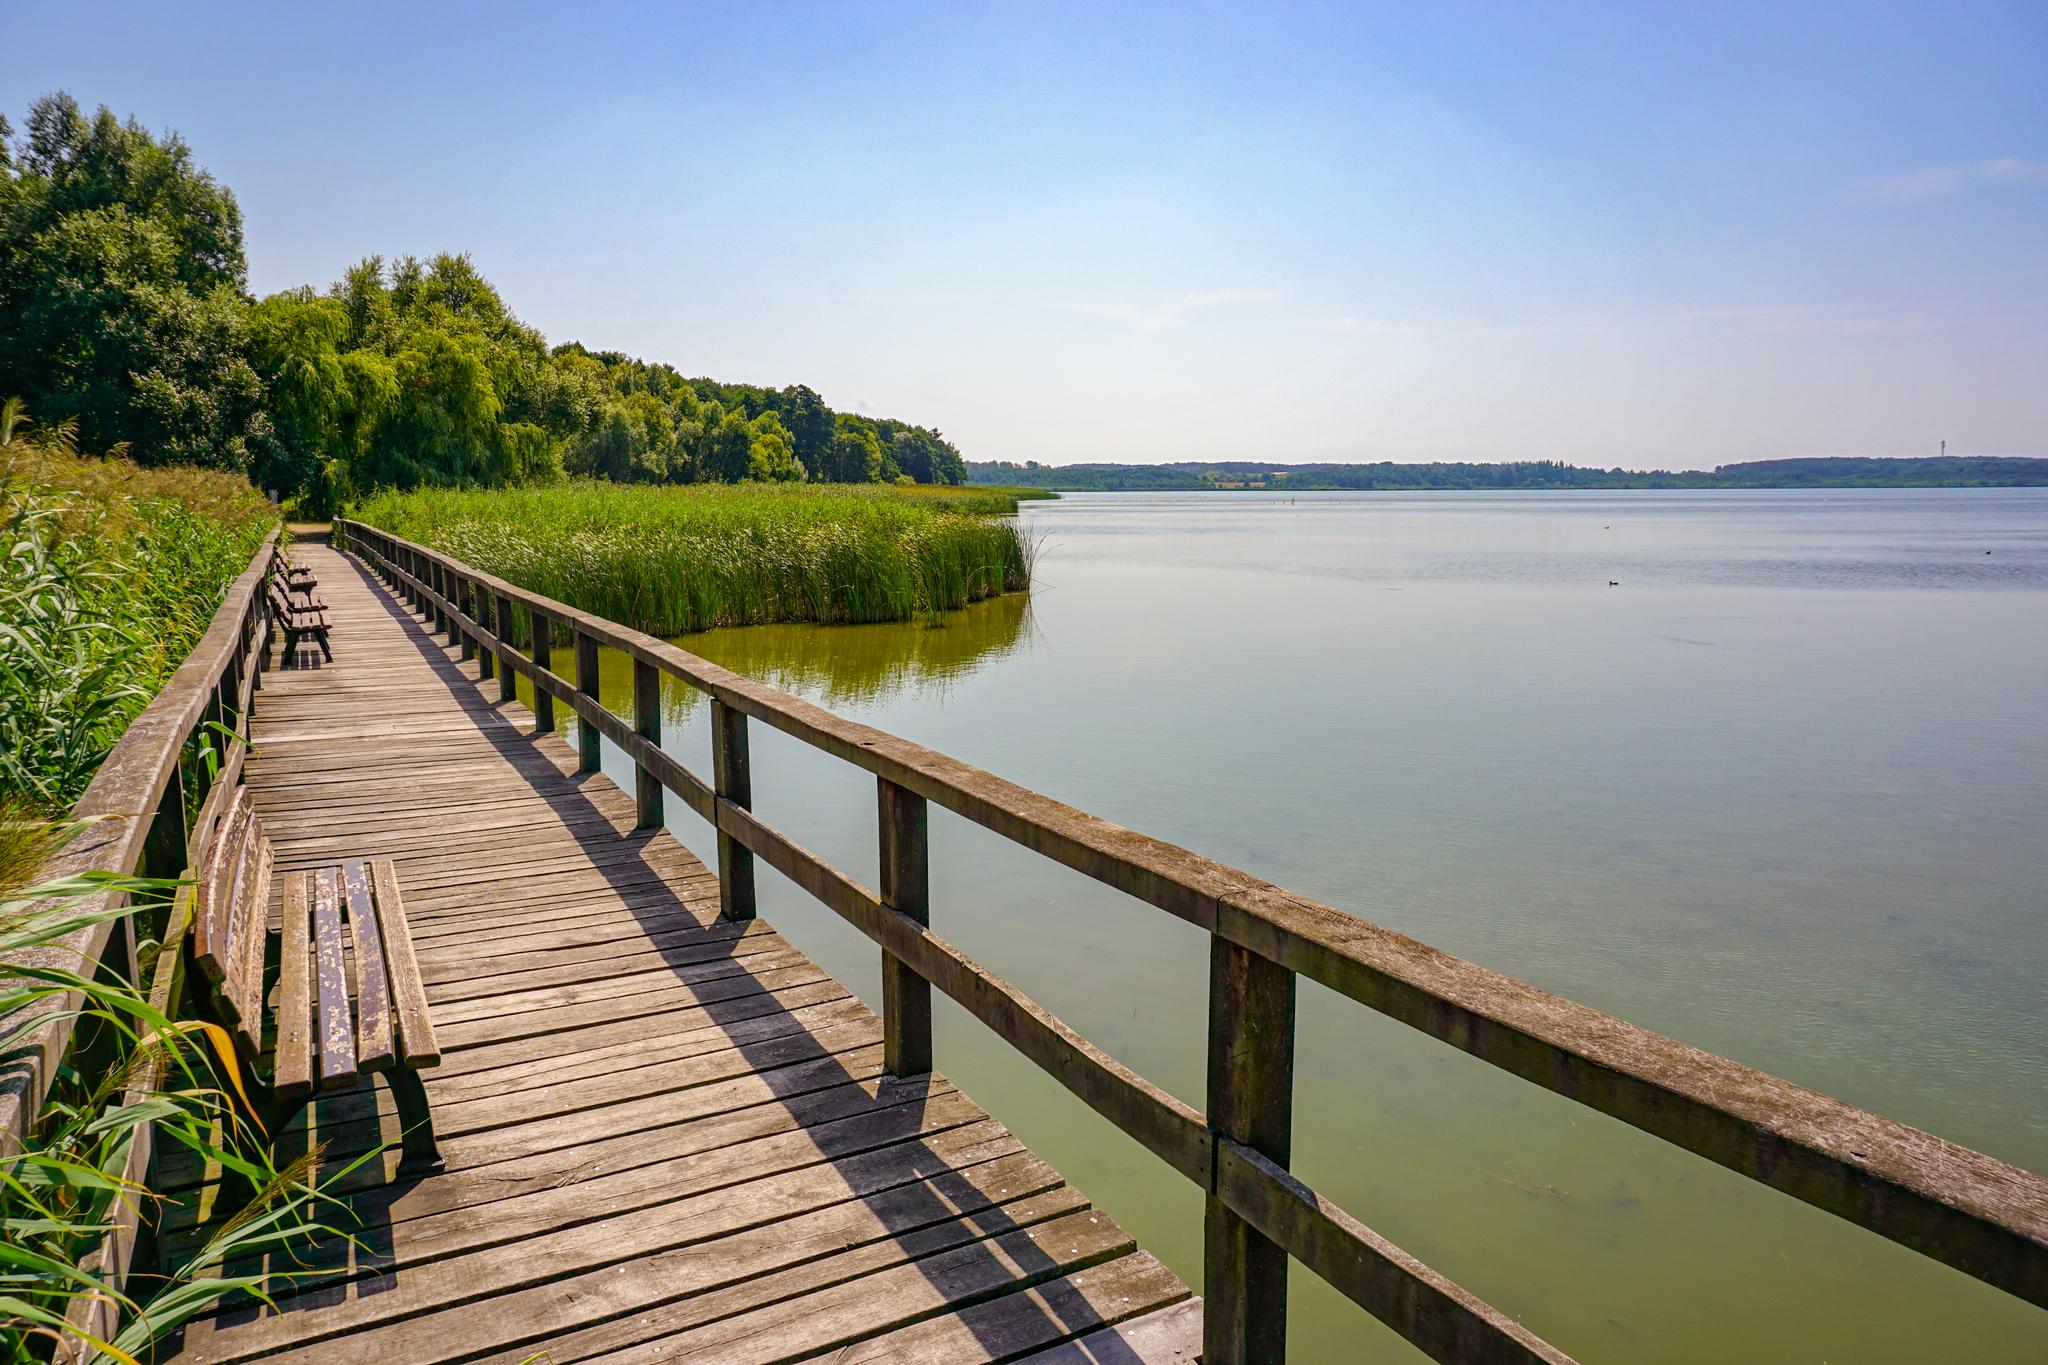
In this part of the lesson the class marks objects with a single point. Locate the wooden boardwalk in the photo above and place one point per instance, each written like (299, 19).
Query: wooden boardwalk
(667, 1137)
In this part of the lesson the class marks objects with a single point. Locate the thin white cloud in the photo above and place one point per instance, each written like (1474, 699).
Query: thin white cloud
(1939, 182)
(1173, 312)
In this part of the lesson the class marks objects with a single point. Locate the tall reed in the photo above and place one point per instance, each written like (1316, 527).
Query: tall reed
(109, 574)
(673, 560)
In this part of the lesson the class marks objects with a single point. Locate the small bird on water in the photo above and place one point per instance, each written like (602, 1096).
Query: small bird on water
(1612, 584)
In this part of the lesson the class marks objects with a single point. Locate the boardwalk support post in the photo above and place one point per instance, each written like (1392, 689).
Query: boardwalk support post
(647, 724)
(508, 681)
(480, 609)
(465, 602)
(588, 753)
(1251, 1102)
(732, 776)
(543, 659)
(906, 888)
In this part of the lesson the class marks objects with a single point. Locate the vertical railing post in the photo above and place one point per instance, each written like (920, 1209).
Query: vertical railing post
(163, 848)
(1251, 1101)
(589, 755)
(646, 724)
(543, 632)
(466, 600)
(508, 681)
(906, 887)
(480, 609)
(732, 774)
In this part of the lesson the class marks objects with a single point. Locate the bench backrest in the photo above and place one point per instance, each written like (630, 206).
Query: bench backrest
(281, 605)
(230, 918)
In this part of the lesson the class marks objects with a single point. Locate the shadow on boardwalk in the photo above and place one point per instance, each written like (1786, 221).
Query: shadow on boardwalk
(668, 1136)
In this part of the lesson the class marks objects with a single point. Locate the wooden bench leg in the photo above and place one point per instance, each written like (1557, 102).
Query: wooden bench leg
(422, 1153)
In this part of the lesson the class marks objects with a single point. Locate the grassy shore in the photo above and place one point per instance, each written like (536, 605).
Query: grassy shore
(678, 559)
(111, 574)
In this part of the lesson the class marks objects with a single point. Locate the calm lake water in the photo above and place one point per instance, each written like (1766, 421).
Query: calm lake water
(1782, 792)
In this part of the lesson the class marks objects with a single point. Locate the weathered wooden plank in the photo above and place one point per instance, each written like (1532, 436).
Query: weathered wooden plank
(733, 781)
(839, 1317)
(647, 725)
(907, 889)
(336, 1034)
(417, 1043)
(293, 1060)
(1446, 1321)
(1167, 1336)
(1028, 1318)
(722, 1238)
(1251, 1101)
(374, 1049)
(245, 974)
(220, 873)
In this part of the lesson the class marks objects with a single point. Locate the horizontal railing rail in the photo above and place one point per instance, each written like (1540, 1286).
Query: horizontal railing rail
(1971, 1211)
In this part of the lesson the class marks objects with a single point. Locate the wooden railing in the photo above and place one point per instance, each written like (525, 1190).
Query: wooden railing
(140, 824)
(1971, 1211)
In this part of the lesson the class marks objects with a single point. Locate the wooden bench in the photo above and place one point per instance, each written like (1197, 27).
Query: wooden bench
(321, 1044)
(296, 580)
(298, 622)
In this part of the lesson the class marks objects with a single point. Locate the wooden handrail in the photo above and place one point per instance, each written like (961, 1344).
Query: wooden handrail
(136, 806)
(1971, 1211)
(139, 822)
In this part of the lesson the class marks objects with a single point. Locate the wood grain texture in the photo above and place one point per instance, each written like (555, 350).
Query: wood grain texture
(293, 1060)
(417, 1044)
(333, 1031)
(249, 914)
(219, 873)
(657, 1124)
(374, 1049)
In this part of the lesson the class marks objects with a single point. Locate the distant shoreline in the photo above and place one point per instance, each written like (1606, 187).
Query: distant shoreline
(1955, 471)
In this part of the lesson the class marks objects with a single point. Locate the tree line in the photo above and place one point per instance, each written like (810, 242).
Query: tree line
(1952, 471)
(124, 305)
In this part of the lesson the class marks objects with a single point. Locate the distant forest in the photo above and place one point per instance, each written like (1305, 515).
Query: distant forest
(124, 306)
(1959, 471)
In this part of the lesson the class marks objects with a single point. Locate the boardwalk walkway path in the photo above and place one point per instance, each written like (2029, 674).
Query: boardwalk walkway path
(667, 1137)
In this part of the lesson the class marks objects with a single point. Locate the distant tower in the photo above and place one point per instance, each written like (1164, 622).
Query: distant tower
(1944, 450)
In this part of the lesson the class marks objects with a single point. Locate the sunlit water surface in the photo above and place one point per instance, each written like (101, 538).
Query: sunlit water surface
(1765, 771)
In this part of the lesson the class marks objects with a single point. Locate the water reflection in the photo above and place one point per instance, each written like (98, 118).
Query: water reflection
(846, 667)
(1778, 792)
(859, 665)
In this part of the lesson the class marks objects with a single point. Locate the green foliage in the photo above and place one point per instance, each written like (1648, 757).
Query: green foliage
(121, 303)
(671, 560)
(110, 576)
(121, 274)
(131, 1065)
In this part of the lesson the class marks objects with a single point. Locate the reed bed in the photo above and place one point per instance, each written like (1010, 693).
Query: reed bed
(109, 574)
(674, 560)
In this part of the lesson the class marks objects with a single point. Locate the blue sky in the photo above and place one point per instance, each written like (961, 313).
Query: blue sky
(1616, 234)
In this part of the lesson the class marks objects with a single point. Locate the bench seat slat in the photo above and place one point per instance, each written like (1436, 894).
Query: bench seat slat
(417, 1044)
(373, 995)
(294, 1057)
(219, 872)
(336, 1032)
(251, 918)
